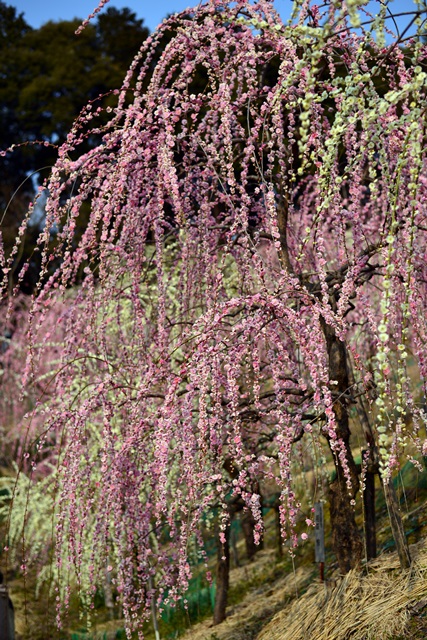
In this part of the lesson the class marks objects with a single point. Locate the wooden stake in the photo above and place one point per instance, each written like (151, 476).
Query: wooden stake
(319, 538)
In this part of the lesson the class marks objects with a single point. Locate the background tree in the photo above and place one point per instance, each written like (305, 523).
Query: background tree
(48, 75)
(13, 29)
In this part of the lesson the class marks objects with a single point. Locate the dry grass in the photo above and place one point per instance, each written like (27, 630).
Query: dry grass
(260, 603)
(376, 606)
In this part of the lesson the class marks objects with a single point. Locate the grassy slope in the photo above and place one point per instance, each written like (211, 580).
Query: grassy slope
(259, 590)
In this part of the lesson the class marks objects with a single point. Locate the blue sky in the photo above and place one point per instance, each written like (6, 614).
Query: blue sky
(37, 12)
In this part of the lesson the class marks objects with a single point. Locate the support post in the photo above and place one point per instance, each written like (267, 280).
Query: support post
(396, 523)
(369, 508)
(222, 577)
(319, 539)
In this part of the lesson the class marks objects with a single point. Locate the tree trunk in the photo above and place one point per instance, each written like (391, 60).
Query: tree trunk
(247, 519)
(369, 510)
(346, 538)
(389, 492)
(370, 459)
(222, 577)
(248, 527)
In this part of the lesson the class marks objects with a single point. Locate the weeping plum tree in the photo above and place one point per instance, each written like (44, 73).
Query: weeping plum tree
(257, 228)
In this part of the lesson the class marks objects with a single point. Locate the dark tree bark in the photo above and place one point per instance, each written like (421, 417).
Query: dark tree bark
(222, 577)
(369, 510)
(247, 520)
(390, 496)
(248, 527)
(370, 459)
(346, 539)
